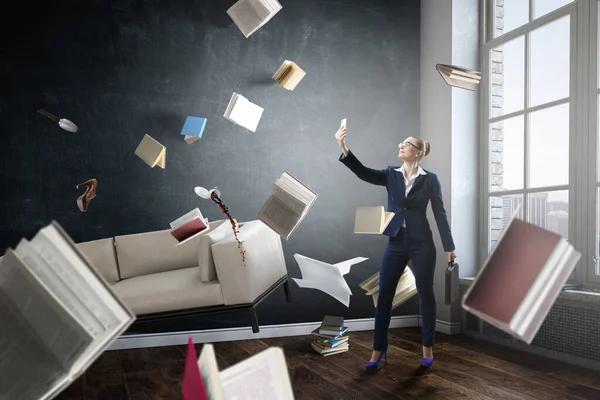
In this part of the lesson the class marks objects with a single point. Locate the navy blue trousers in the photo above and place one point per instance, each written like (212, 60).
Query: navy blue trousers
(398, 252)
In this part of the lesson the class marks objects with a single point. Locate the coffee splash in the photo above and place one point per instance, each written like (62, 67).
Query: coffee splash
(225, 210)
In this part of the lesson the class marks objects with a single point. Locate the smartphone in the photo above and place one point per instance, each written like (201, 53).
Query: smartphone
(344, 122)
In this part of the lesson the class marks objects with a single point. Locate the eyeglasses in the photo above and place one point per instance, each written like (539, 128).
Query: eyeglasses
(406, 144)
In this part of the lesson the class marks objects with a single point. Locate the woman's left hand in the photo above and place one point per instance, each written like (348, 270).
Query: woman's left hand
(451, 256)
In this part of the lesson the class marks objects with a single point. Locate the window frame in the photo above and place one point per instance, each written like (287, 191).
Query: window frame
(584, 155)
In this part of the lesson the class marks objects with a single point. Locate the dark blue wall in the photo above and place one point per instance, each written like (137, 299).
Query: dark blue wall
(123, 69)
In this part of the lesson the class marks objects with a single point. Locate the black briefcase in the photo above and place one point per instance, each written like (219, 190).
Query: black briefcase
(452, 286)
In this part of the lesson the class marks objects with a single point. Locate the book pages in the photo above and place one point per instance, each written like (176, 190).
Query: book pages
(210, 372)
(285, 209)
(371, 220)
(289, 75)
(405, 289)
(459, 77)
(27, 367)
(57, 328)
(263, 376)
(250, 15)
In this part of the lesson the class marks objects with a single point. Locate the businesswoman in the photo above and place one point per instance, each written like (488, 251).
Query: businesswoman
(410, 188)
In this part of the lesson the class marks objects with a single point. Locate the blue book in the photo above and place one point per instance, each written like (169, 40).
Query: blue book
(193, 129)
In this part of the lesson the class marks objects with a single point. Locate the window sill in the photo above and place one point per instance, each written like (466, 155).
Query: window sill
(580, 295)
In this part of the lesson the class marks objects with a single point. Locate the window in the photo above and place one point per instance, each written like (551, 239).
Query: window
(537, 114)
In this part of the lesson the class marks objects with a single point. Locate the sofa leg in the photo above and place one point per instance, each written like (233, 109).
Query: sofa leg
(254, 319)
(288, 294)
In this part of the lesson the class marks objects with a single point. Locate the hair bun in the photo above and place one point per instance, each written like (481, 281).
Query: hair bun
(427, 147)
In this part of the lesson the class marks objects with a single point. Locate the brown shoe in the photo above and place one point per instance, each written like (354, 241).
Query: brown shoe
(90, 193)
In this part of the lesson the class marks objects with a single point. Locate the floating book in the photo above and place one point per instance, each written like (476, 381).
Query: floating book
(521, 279)
(263, 376)
(189, 226)
(289, 75)
(372, 220)
(328, 278)
(193, 128)
(287, 207)
(151, 152)
(242, 112)
(459, 77)
(57, 315)
(251, 15)
(405, 289)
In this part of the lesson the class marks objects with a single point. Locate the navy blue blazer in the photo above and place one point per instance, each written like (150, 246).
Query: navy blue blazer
(412, 208)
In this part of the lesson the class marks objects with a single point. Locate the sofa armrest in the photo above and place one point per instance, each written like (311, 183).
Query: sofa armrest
(243, 281)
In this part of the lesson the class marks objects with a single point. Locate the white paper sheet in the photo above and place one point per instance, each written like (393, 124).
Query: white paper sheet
(328, 278)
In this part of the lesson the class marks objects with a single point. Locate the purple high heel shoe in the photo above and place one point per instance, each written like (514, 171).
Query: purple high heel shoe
(373, 366)
(427, 362)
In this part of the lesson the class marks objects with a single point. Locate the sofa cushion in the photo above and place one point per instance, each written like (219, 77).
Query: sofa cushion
(264, 262)
(218, 230)
(168, 291)
(152, 252)
(101, 254)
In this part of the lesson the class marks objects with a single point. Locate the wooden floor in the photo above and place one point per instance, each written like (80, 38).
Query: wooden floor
(463, 369)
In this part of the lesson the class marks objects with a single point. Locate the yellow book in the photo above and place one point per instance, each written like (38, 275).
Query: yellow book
(151, 152)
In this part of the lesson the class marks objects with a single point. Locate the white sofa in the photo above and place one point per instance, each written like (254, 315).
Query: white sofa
(157, 279)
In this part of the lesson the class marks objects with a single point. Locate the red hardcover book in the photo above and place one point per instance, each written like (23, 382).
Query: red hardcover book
(192, 387)
(189, 229)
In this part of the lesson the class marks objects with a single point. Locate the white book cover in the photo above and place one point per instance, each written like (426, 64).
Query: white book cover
(243, 112)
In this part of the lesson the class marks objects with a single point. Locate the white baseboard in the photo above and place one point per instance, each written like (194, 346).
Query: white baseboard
(231, 334)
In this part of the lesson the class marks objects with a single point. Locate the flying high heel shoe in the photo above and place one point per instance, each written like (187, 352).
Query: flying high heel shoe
(90, 193)
(373, 366)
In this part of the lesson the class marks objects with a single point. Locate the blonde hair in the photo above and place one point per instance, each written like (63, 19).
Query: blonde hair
(423, 145)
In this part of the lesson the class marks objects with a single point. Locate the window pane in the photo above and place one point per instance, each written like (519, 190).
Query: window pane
(507, 154)
(548, 147)
(509, 14)
(501, 210)
(550, 62)
(550, 210)
(543, 7)
(508, 77)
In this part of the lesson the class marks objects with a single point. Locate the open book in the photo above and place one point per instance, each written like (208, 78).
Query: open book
(251, 15)
(152, 152)
(285, 209)
(405, 289)
(458, 76)
(289, 75)
(262, 376)
(57, 315)
(372, 220)
(521, 279)
(242, 112)
(188, 226)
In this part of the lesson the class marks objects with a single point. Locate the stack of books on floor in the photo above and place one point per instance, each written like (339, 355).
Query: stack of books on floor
(330, 338)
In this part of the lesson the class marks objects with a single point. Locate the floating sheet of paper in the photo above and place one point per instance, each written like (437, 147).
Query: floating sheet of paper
(328, 278)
